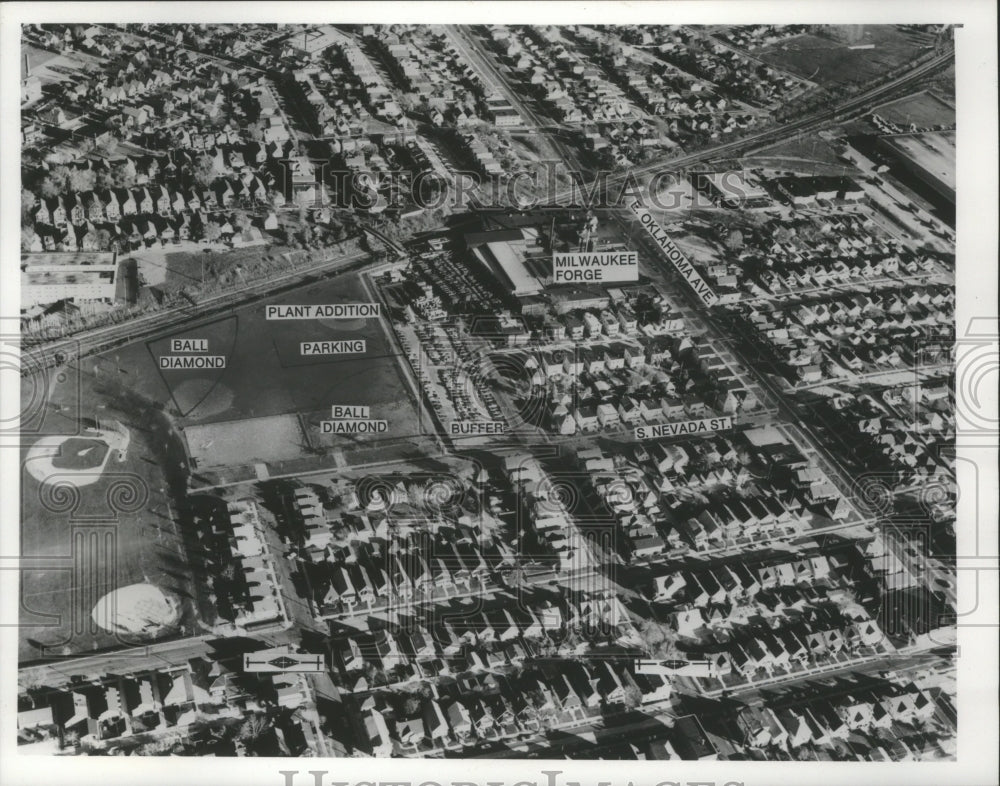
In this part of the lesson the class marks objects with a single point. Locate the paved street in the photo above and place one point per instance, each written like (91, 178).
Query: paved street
(477, 583)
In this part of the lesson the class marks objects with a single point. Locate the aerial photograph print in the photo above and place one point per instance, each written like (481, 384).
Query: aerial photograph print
(488, 391)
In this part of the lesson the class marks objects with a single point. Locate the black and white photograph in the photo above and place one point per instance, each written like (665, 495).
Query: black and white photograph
(574, 388)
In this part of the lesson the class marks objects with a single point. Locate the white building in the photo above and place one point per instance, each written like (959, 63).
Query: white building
(78, 276)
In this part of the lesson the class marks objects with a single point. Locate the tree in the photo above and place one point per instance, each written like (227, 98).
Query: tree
(204, 170)
(28, 202)
(27, 235)
(212, 232)
(253, 728)
(196, 227)
(123, 176)
(424, 690)
(105, 179)
(104, 240)
(783, 234)
(734, 240)
(109, 146)
(658, 638)
(51, 185)
(306, 234)
(410, 706)
(80, 180)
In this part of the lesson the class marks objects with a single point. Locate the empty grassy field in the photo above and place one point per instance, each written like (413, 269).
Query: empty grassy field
(829, 60)
(924, 109)
(51, 67)
(806, 155)
(266, 374)
(237, 442)
(187, 264)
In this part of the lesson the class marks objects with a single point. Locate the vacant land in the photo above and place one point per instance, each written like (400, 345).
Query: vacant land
(188, 264)
(923, 109)
(275, 437)
(830, 59)
(805, 155)
(50, 67)
(699, 248)
(266, 374)
(944, 84)
(36, 58)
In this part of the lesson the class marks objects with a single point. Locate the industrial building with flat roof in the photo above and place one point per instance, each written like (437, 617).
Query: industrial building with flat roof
(312, 42)
(79, 276)
(732, 189)
(806, 190)
(929, 156)
(505, 254)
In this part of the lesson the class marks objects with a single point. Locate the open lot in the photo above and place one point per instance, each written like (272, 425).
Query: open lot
(186, 264)
(831, 61)
(36, 58)
(943, 84)
(52, 67)
(810, 155)
(240, 441)
(923, 109)
(266, 375)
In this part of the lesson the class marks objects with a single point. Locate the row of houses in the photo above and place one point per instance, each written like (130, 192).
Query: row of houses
(256, 594)
(135, 232)
(659, 88)
(361, 71)
(111, 204)
(750, 37)
(615, 412)
(667, 502)
(146, 706)
(908, 442)
(492, 708)
(386, 546)
(787, 255)
(548, 513)
(601, 386)
(571, 88)
(885, 333)
(733, 73)
(871, 724)
(780, 632)
(736, 581)
(144, 703)
(853, 253)
(428, 66)
(441, 569)
(493, 640)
